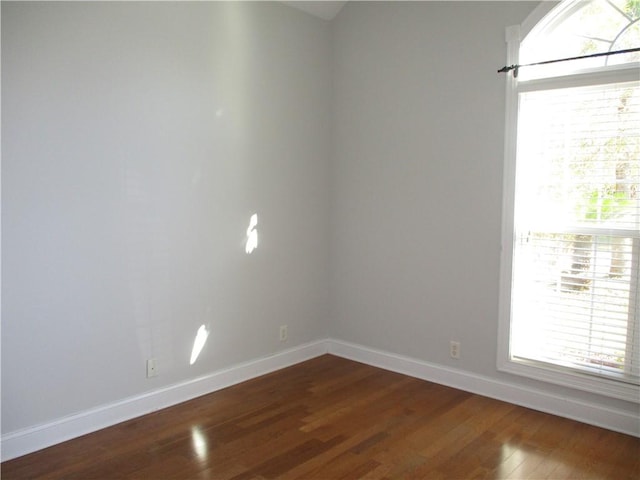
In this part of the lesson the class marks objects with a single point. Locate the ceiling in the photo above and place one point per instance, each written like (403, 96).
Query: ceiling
(323, 9)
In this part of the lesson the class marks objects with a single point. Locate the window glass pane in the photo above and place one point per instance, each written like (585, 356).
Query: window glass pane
(574, 302)
(578, 153)
(630, 38)
(577, 221)
(583, 28)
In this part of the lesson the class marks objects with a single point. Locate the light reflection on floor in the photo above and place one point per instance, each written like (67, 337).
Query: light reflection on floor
(199, 443)
(520, 461)
(512, 458)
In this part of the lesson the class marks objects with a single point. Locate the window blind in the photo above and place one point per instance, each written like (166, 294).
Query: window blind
(577, 231)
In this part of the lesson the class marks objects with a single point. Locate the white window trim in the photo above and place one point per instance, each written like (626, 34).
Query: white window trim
(550, 374)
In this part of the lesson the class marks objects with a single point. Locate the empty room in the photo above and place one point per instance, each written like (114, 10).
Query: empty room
(320, 240)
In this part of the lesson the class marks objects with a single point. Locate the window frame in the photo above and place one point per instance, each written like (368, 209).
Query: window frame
(530, 369)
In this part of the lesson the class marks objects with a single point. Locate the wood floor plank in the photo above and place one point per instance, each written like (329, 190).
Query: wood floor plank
(331, 418)
(352, 438)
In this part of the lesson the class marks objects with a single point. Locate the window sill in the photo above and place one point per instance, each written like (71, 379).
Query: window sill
(558, 376)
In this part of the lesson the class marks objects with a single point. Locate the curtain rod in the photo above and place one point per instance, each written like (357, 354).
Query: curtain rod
(508, 68)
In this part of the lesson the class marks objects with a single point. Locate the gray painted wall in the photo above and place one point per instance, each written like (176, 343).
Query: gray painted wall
(138, 139)
(418, 141)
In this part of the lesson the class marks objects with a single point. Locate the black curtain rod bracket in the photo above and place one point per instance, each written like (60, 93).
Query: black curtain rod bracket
(508, 68)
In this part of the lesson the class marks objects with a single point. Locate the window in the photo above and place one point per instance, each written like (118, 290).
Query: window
(571, 241)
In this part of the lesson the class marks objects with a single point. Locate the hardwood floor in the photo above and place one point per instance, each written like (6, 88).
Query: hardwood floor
(331, 418)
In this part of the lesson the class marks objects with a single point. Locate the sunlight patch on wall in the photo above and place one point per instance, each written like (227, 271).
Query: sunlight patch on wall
(198, 343)
(252, 234)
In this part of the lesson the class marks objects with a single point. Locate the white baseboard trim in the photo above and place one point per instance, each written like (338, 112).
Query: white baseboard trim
(593, 414)
(22, 442)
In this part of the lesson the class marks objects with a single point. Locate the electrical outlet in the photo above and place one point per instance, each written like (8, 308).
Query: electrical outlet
(454, 349)
(283, 333)
(152, 369)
